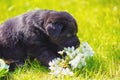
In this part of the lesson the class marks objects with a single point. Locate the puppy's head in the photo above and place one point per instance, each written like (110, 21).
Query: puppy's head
(61, 28)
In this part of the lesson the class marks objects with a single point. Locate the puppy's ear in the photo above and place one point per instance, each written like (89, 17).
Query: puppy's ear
(54, 30)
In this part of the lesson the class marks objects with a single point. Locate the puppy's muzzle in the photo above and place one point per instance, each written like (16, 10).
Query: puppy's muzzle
(72, 42)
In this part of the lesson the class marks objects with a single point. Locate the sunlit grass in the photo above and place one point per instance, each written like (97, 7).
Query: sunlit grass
(99, 25)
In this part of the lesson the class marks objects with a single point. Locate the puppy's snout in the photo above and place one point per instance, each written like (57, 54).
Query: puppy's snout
(74, 41)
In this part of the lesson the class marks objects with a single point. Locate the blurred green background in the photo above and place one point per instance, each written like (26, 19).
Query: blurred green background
(99, 25)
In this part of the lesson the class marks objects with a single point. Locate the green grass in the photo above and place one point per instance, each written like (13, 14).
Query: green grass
(99, 25)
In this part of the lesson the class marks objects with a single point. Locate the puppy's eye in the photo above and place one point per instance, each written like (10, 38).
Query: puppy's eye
(69, 35)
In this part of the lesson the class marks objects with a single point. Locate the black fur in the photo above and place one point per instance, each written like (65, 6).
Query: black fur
(38, 34)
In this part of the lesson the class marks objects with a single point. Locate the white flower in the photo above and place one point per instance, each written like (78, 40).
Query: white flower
(76, 58)
(62, 71)
(2, 64)
(77, 51)
(69, 49)
(54, 62)
(61, 52)
(70, 52)
(57, 71)
(79, 58)
(52, 68)
(67, 72)
(86, 49)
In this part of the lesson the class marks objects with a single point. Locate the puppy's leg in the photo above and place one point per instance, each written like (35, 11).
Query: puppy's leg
(14, 63)
(15, 56)
(46, 56)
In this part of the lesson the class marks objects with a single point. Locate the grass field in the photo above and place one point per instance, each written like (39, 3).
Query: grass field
(99, 25)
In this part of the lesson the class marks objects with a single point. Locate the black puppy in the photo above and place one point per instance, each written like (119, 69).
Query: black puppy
(38, 34)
